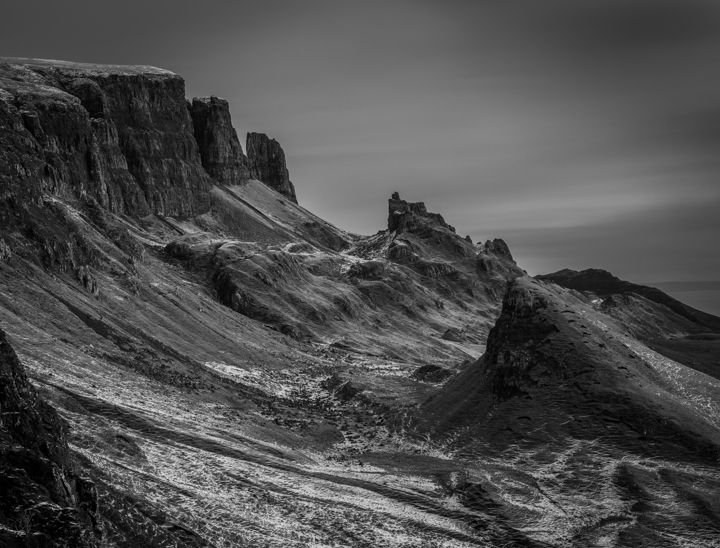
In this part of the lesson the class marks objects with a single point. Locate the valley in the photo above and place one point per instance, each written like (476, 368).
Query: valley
(225, 368)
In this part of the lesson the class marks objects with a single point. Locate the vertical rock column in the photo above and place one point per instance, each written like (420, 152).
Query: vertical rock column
(267, 164)
(220, 150)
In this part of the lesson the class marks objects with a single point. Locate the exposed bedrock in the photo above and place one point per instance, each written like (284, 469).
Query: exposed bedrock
(121, 135)
(43, 499)
(267, 164)
(220, 150)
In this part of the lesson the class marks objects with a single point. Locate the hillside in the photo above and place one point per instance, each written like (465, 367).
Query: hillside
(228, 369)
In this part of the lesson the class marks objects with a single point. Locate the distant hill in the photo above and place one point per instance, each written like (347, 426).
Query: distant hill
(671, 287)
(603, 283)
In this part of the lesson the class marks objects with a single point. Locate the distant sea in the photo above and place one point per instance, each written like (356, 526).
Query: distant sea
(704, 296)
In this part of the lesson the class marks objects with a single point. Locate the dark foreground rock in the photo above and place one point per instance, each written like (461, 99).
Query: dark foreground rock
(44, 500)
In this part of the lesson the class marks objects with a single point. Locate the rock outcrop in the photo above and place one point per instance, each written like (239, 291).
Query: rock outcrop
(409, 216)
(44, 501)
(220, 150)
(267, 164)
(120, 135)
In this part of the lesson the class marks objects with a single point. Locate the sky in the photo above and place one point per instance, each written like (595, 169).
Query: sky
(585, 133)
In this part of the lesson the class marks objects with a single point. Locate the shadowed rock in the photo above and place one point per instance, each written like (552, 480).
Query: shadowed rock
(267, 164)
(408, 216)
(43, 500)
(220, 150)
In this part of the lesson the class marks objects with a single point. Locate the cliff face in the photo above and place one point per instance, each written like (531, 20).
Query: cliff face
(43, 501)
(267, 164)
(220, 150)
(121, 135)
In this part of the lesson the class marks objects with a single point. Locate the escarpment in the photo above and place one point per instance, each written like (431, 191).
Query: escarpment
(120, 135)
(44, 499)
(220, 150)
(267, 164)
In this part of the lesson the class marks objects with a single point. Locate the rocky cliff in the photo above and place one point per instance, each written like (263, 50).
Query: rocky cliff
(220, 150)
(267, 164)
(44, 501)
(121, 135)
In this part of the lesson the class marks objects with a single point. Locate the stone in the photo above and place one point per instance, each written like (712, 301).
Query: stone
(453, 334)
(499, 248)
(431, 373)
(267, 164)
(220, 150)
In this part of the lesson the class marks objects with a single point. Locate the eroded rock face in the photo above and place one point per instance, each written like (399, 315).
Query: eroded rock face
(43, 499)
(267, 164)
(408, 216)
(121, 135)
(220, 150)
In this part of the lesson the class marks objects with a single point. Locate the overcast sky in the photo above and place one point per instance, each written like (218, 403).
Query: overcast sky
(586, 133)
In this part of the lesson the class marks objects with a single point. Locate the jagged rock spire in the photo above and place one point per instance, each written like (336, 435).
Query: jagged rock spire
(267, 164)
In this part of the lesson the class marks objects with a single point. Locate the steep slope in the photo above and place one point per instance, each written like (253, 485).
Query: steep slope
(620, 442)
(234, 370)
(677, 331)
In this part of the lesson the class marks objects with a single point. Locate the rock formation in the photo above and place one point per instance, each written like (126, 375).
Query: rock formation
(220, 150)
(121, 135)
(267, 164)
(408, 216)
(43, 499)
